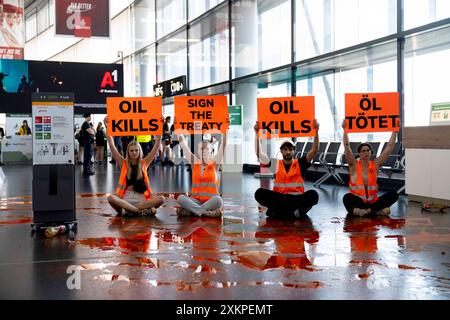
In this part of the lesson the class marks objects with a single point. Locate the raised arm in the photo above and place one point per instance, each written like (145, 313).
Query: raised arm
(311, 154)
(152, 154)
(347, 151)
(387, 151)
(190, 157)
(262, 157)
(114, 153)
(223, 146)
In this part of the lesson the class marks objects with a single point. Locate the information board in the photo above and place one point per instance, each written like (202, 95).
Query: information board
(53, 128)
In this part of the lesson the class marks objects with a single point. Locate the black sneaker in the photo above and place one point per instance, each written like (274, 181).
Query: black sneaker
(270, 213)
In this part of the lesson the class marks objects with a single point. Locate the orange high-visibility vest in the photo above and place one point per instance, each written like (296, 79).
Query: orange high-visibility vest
(204, 186)
(289, 182)
(357, 187)
(122, 185)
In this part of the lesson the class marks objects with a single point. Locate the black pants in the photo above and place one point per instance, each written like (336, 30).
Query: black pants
(352, 201)
(88, 151)
(281, 205)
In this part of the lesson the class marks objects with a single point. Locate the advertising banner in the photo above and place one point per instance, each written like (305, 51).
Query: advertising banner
(14, 121)
(372, 112)
(286, 117)
(12, 29)
(82, 18)
(53, 141)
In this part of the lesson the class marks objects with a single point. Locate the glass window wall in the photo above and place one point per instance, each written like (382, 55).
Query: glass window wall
(426, 75)
(170, 15)
(198, 7)
(261, 32)
(143, 15)
(208, 50)
(145, 72)
(171, 57)
(420, 12)
(327, 25)
(246, 93)
(31, 25)
(43, 17)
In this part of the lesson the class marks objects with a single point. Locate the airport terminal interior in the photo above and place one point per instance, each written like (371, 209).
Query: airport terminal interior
(244, 50)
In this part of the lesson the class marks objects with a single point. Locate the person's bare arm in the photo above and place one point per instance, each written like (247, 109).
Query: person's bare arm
(223, 145)
(262, 157)
(387, 151)
(114, 153)
(347, 151)
(90, 131)
(152, 154)
(190, 157)
(312, 153)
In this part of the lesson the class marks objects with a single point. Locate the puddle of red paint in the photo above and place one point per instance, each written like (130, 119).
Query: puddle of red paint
(356, 224)
(135, 243)
(14, 219)
(92, 195)
(405, 267)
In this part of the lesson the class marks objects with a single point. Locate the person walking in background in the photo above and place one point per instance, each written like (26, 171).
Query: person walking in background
(79, 138)
(100, 139)
(166, 142)
(88, 144)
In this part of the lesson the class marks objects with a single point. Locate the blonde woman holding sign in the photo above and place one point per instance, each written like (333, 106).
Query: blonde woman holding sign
(133, 194)
(205, 199)
(363, 197)
(288, 199)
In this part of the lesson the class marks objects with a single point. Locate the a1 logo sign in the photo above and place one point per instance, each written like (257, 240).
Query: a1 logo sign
(109, 78)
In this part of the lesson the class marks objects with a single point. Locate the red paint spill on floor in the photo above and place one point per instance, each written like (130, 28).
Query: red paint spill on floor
(14, 219)
(92, 195)
(405, 267)
(135, 243)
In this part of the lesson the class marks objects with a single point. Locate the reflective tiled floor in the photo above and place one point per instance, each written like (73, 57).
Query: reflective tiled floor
(242, 256)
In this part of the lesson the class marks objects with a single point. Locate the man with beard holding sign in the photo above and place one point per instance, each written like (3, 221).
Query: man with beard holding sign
(288, 198)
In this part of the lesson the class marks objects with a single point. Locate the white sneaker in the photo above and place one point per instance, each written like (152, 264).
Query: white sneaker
(360, 212)
(384, 212)
(183, 212)
(217, 213)
(149, 212)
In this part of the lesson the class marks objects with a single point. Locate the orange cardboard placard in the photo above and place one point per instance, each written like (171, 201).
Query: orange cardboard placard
(199, 114)
(286, 117)
(134, 116)
(372, 112)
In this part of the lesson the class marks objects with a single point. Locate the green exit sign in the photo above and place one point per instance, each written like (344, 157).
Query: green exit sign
(235, 113)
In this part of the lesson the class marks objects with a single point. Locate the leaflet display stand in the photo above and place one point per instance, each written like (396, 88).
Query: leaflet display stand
(53, 161)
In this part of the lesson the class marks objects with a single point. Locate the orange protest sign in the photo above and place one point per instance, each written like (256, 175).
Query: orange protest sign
(134, 116)
(371, 112)
(195, 114)
(286, 117)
